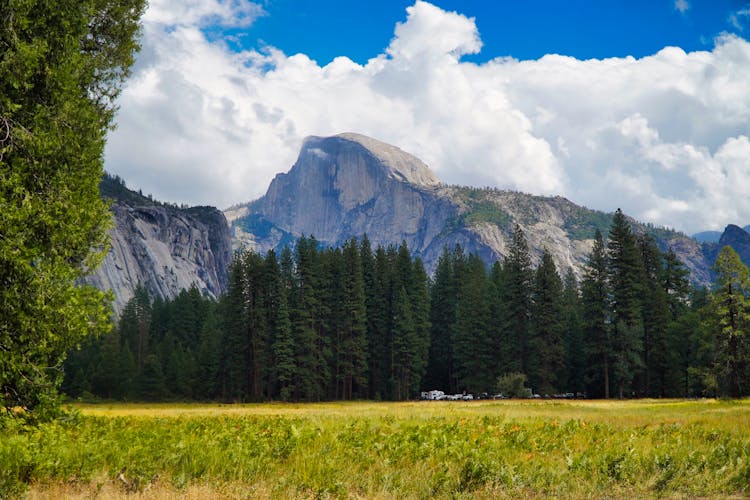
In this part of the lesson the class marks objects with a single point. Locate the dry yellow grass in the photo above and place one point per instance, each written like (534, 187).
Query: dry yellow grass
(729, 416)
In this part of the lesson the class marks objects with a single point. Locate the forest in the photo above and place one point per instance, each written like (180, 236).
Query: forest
(353, 322)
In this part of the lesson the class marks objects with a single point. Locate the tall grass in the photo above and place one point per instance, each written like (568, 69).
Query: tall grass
(485, 449)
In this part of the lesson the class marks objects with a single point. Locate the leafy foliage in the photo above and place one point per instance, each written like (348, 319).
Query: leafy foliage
(61, 68)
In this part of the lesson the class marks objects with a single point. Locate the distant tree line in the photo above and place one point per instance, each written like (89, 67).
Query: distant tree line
(316, 323)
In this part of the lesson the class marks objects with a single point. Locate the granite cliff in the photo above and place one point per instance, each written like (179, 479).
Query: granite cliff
(349, 185)
(162, 247)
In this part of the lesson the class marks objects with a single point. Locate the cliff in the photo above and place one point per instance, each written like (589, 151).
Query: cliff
(350, 185)
(162, 247)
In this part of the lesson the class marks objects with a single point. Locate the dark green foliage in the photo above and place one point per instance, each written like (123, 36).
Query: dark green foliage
(441, 370)
(573, 339)
(547, 359)
(659, 358)
(350, 322)
(352, 346)
(730, 318)
(517, 277)
(625, 273)
(472, 340)
(61, 67)
(596, 320)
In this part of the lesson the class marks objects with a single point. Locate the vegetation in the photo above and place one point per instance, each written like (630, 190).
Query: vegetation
(399, 450)
(321, 324)
(61, 67)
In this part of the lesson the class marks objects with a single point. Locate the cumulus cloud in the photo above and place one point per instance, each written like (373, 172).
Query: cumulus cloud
(664, 137)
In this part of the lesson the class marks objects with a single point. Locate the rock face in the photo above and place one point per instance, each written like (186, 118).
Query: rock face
(350, 185)
(733, 236)
(164, 248)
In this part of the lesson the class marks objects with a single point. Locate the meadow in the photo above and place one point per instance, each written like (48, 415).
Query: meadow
(484, 449)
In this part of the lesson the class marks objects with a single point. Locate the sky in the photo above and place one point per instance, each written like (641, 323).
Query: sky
(639, 105)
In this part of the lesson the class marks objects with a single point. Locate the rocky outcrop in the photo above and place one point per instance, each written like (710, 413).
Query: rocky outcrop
(350, 185)
(164, 248)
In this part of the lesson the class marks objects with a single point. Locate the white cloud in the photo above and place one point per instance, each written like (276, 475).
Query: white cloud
(681, 5)
(227, 13)
(739, 19)
(664, 137)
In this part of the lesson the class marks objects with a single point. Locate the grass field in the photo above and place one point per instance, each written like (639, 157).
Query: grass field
(484, 449)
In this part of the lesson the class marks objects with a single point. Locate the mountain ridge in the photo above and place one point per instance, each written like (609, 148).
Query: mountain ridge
(341, 186)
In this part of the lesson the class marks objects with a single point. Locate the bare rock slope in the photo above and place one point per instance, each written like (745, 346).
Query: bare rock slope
(164, 248)
(350, 185)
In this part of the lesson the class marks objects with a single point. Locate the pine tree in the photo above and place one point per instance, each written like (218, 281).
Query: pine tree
(625, 278)
(730, 311)
(472, 343)
(313, 346)
(441, 372)
(151, 383)
(419, 294)
(658, 359)
(379, 319)
(208, 355)
(573, 339)
(546, 349)
(353, 348)
(596, 318)
(403, 346)
(517, 281)
(278, 280)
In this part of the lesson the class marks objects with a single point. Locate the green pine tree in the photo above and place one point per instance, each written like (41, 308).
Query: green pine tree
(730, 312)
(596, 320)
(547, 351)
(472, 342)
(626, 286)
(516, 297)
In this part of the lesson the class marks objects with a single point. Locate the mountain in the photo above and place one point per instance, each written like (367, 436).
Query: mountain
(162, 247)
(733, 236)
(707, 236)
(350, 185)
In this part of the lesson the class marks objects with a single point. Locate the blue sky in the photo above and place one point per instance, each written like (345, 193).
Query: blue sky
(641, 105)
(324, 29)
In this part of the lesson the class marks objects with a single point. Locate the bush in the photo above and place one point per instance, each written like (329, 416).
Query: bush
(513, 385)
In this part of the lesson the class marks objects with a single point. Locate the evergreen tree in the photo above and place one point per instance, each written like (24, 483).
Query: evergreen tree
(403, 347)
(208, 355)
(379, 319)
(516, 297)
(547, 352)
(441, 372)
(625, 278)
(596, 319)
(353, 348)
(472, 342)
(573, 338)
(313, 346)
(419, 294)
(730, 311)
(283, 367)
(676, 284)
(151, 384)
(61, 67)
(658, 358)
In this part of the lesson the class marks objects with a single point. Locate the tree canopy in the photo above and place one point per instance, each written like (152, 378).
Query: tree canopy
(62, 65)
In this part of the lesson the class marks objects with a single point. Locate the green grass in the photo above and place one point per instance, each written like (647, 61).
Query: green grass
(417, 450)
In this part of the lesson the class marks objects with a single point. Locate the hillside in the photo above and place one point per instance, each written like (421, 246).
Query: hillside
(349, 185)
(161, 246)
